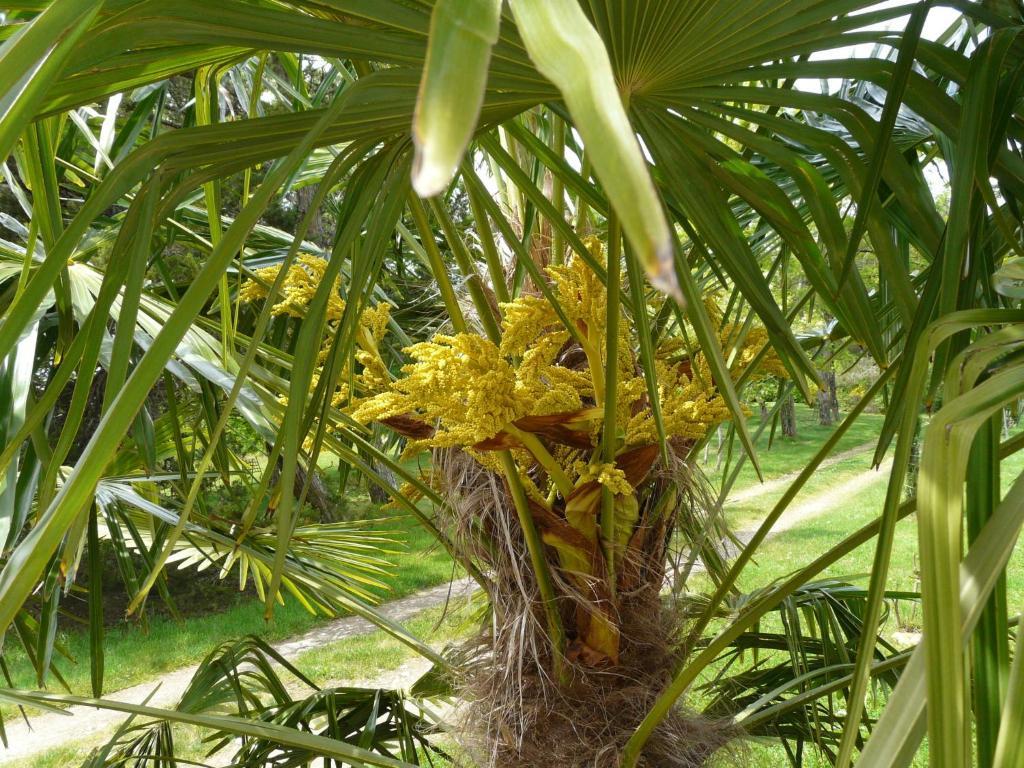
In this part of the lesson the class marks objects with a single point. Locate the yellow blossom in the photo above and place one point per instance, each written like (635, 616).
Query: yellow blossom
(607, 475)
(523, 321)
(301, 281)
(669, 347)
(688, 408)
(582, 295)
(461, 383)
(375, 321)
(340, 397)
(550, 388)
(470, 389)
(373, 325)
(754, 340)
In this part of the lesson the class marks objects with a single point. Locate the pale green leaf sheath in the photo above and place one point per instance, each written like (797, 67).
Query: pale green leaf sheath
(567, 50)
(451, 92)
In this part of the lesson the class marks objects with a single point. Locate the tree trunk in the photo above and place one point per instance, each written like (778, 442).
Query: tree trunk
(828, 402)
(787, 415)
(377, 494)
(318, 497)
(304, 199)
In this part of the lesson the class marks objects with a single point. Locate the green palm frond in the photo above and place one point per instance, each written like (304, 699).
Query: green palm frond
(790, 681)
(246, 679)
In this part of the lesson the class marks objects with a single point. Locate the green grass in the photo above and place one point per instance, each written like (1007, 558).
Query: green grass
(60, 757)
(188, 740)
(134, 656)
(365, 657)
(787, 454)
(793, 549)
(358, 658)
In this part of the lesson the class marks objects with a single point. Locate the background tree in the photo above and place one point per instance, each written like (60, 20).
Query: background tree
(787, 415)
(828, 399)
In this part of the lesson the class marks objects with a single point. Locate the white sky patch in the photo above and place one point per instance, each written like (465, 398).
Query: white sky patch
(937, 23)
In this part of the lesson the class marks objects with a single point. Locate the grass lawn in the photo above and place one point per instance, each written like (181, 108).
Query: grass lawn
(351, 659)
(787, 454)
(793, 549)
(133, 656)
(365, 657)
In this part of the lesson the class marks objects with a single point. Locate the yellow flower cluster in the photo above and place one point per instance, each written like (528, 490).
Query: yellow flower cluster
(688, 409)
(491, 461)
(548, 387)
(607, 475)
(297, 291)
(373, 322)
(470, 389)
(524, 321)
(462, 383)
(632, 397)
(713, 309)
(373, 326)
(754, 341)
(581, 293)
(300, 283)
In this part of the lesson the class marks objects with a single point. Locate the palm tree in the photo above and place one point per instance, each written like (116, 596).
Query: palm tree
(684, 138)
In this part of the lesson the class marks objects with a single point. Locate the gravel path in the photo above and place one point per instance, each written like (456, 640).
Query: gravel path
(821, 503)
(781, 482)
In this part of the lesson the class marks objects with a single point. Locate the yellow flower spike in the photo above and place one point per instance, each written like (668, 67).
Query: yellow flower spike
(413, 448)
(755, 340)
(340, 397)
(523, 321)
(298, 289)
(607, 475)
(669, 347)
(712, 308)
(689, 409)
(375, 321)
(461, 383)
(550, 388)
(468, 389)
(583, 297)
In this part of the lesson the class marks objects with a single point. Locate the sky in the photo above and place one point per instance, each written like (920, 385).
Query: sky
(936, 23)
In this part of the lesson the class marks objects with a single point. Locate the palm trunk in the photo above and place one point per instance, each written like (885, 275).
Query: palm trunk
(317, 495)
(619, 648)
